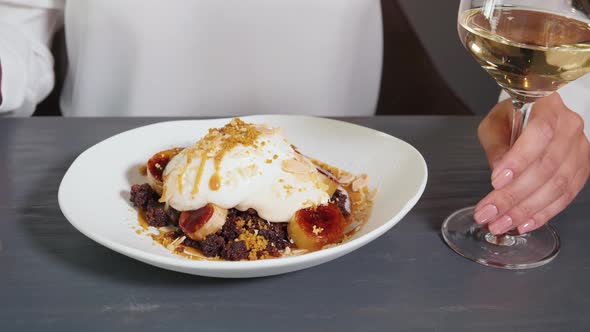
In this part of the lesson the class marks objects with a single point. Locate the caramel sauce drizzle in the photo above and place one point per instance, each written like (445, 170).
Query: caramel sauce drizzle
(179, 181)
(199, 173)
(215, 182)
(142, 220)
(217, 143)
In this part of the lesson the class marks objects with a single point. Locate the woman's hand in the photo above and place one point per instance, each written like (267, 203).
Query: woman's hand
(541, 174)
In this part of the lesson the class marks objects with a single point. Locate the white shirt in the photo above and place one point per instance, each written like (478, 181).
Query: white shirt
(187, 57)
(209, 58)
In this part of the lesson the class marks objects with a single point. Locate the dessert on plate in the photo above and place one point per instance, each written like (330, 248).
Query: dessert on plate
(243, 192)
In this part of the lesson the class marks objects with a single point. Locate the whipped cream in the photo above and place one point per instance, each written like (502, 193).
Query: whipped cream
(258, 170)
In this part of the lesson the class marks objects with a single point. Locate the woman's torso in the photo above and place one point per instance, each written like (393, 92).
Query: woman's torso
(217, 58)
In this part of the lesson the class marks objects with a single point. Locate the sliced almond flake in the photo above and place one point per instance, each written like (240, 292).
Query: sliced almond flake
(176, 242)
(166, 229)
(296, 166)
(295, 252)
(267, 130)
(352, 227)
(300, 157)
(373, 194)
(188, 253)
(347, 179)
(304, 177)
(360, 182)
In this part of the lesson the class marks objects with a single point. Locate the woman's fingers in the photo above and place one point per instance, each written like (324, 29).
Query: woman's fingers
(543, 216)
(554, 166)
(560, 184)
(541, 174)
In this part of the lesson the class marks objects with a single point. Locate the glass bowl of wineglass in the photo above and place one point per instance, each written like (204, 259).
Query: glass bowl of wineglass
(531, 48)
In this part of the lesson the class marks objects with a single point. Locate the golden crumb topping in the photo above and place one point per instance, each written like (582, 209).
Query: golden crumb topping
(255, 244)
(219, 141)
(215, 145)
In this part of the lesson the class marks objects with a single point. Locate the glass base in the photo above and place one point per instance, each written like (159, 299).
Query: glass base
(508, 251)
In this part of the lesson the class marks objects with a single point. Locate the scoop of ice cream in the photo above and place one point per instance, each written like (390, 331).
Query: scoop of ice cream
(245, 166)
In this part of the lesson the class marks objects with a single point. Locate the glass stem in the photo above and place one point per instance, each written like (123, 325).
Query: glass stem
(520, 114)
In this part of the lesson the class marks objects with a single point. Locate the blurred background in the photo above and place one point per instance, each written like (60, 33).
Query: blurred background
(425, 68)
(433, 26)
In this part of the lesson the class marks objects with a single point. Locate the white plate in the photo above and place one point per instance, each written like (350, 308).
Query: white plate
(93, 194)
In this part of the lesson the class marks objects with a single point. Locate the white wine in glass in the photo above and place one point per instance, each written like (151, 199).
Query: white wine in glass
(531, 48)
(529, 53)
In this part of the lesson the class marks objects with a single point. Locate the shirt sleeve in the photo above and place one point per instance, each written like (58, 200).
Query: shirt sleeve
(26, 64)
(576, 96)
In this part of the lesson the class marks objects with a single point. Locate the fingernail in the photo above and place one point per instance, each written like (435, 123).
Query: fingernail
(502, 178)
(485, 214)
(501, 225)
(527, 227)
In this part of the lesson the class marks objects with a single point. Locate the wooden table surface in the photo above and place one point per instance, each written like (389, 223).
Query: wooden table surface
(52, 278)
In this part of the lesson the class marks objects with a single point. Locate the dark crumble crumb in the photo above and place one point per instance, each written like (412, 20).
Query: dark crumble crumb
(191, 243)
(173, 215)
(142, 195)
(235, 251)
(155, 215)
(339, 199)
(213, 245)
(245, 235)
(259, 238)
(277, 236)
(272, 251)
(231, 229)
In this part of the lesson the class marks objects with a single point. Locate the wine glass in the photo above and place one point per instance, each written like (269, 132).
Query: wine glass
(531, 48)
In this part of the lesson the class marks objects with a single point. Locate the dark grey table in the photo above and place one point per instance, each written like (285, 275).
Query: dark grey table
(53, 278)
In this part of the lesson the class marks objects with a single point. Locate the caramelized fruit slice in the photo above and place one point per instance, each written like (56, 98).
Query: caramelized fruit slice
(156, 166)
(197, 224)
(314, 228)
